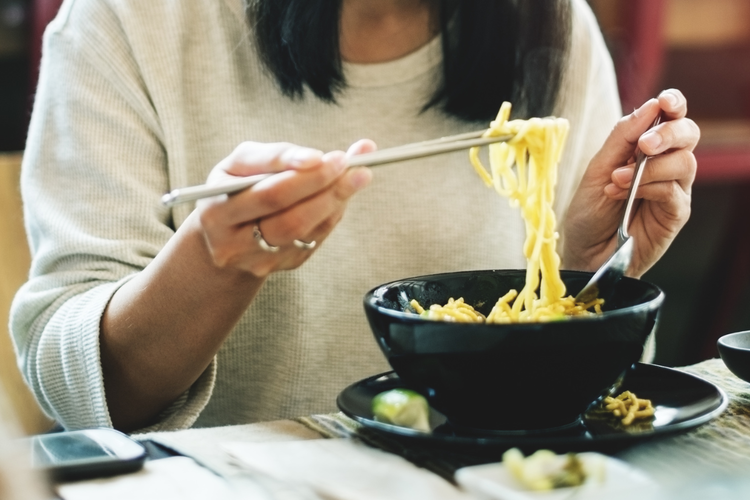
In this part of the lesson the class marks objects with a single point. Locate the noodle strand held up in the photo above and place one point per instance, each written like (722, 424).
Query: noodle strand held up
(535, 151)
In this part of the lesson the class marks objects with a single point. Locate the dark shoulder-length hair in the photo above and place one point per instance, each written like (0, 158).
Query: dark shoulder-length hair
(493, 51)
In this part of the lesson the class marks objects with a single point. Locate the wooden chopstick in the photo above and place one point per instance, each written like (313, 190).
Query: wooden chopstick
(390, 155)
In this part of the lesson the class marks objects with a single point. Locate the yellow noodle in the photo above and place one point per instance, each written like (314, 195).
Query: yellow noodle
(535, 151)
(628, 408)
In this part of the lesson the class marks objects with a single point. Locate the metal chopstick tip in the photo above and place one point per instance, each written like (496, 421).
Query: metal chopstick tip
(169, 198)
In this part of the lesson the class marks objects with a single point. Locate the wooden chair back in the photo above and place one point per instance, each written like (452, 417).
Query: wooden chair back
(14, 266)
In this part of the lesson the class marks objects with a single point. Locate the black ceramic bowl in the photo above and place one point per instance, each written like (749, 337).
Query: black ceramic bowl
(509, 377)
(734, 349)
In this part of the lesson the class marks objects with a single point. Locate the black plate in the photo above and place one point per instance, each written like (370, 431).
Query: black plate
(682, 402)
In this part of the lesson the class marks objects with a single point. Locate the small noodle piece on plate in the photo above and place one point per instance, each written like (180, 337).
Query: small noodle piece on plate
(535, 151)
(628, 408)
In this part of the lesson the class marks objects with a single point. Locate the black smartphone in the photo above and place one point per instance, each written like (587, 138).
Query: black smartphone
(85, 454)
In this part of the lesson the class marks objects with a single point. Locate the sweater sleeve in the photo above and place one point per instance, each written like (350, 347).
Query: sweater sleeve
(93, 173)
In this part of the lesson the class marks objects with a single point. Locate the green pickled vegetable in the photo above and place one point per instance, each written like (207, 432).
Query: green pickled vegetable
(402, 407)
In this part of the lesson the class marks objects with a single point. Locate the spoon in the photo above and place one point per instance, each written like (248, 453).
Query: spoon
(607, 276)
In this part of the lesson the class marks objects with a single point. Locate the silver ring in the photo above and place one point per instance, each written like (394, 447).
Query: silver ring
(305, 245)
(263, 243)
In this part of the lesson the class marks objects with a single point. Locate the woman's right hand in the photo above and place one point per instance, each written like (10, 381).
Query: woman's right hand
(303, 202)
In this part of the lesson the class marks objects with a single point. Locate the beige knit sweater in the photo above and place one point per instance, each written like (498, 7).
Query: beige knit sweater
(137, 97)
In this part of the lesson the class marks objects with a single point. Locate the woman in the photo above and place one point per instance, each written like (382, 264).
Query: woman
(248, 307)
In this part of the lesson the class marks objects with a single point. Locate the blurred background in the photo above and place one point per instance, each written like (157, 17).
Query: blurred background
(701, 47)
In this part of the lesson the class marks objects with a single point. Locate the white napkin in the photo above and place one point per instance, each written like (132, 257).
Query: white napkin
(619, 481)
(343, 469)
(174, 478)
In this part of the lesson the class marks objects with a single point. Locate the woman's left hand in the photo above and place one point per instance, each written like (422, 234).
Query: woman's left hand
(662, 204)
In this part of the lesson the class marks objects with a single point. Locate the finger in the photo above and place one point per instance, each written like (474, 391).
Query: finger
(251, 158)
(322, 230)
(668, 193)
(673, 104)
(302, 220)
(230, 246)
(242, 250)
(679, 165)
(682, 133)
(293, 256)
(360, 147)
(283, 190)
(621, 143)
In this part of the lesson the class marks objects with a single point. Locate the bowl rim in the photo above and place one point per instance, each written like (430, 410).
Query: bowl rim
(648, 306)
(726, 337)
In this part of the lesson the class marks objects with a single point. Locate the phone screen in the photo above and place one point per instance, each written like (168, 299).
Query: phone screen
(86, 451)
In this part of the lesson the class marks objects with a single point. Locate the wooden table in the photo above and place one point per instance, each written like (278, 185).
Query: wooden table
(711, 460)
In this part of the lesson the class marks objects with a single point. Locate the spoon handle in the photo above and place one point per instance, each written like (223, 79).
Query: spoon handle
(640, 162)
